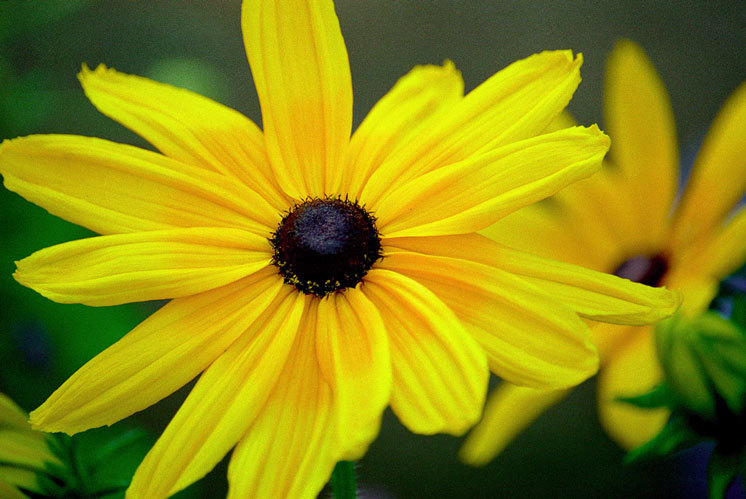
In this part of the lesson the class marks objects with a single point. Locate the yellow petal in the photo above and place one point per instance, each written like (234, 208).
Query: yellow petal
(299, 63)
(697, 292)
(19, 477)
(723, 253)
(353, 352)
(509, 410)
(25, 448)
(640, 122)
(160, 355)
(718, 178)
(8, 491)
(475, 193)
(110, 188)
(607, 337)
(605, 211)
(409, 109)
(562, 120)
(290, 449)
(186, 126)
(594, 295)
(529, 338)
(592, 223)
(440, 373)
(546, 229)
(631, 370)
(153, 265)
(516, 103)
(223, 403)
(11, 414)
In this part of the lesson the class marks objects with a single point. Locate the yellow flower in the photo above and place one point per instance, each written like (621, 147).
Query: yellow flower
(269, 245)
(24, 453)
(622, 220)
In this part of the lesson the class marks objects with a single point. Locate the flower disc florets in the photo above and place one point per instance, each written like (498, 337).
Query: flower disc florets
(325, 245)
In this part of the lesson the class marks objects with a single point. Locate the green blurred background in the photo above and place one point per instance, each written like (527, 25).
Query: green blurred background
(698, 47)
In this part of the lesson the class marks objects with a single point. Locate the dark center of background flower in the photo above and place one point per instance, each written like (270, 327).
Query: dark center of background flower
(644, 269)
(325, 245)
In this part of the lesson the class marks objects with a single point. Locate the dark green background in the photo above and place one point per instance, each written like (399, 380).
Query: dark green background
(698, 47)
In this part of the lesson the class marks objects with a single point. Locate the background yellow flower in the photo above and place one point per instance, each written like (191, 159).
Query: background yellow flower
(624, 221)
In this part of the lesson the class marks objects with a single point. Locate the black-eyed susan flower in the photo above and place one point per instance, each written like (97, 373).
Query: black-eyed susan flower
(623, 221)
(314, 277)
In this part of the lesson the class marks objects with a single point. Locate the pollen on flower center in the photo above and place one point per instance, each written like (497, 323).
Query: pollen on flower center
(325, 245)
(648, 270)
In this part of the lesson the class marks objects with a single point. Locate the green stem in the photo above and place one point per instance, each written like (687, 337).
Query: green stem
(343, 480)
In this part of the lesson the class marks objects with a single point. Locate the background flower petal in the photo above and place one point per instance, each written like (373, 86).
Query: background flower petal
(718, 177)
(529, 338)
(353, 352)
(152, 265)
(414, 105)
(11, 415)
(223, 403)
(186, 126)
(440, 373)
(474, 193)
(159, 356)
(553, 234)
(110, 188)
(9, 491)
(25, 448)
(631, 369)
(516, 103)
(299, 63)
(588, 223)
(720, 254)
(509, 410)
(640, 122)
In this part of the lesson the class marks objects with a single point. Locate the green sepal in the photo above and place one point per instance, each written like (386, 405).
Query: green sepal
(721, 348)
(675, 436)
(59, 444)
(105, 489)
(659, 396)
(50, 487)
(57, 471)
(722, 470)
(684, 373)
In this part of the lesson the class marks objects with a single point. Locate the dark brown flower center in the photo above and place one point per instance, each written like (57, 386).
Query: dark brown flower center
(325, 245)
(644, 269)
